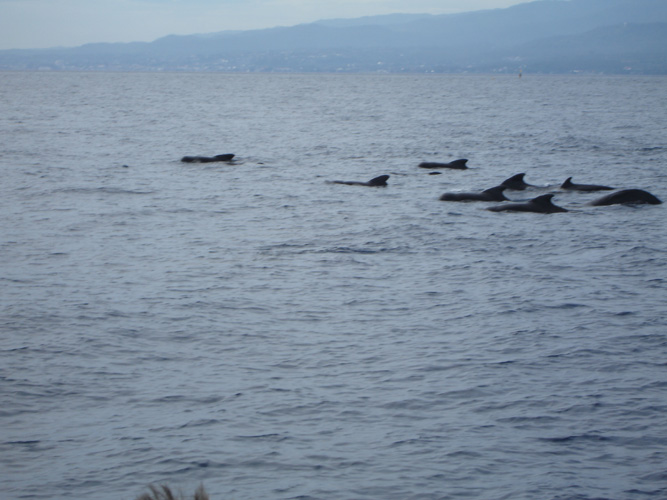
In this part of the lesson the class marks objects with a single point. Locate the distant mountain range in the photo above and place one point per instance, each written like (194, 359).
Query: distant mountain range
(543, 36)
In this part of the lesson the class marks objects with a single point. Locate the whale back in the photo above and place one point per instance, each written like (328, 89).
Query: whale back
(541, 204)
(455, 164)
(207, 159)
(627, 196)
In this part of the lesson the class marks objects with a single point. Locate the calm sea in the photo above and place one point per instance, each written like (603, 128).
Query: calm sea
(257, 329)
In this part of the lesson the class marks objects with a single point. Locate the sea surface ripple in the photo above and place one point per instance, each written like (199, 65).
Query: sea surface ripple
(258, 329)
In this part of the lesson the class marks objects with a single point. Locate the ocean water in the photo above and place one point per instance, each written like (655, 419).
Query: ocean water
(259, 330)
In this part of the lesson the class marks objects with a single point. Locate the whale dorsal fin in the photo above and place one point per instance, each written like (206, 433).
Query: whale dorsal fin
(515, 182)
(567, 183)
(545, 199)
(517, 177)
(459, 163)
(497, 192)
(544, 203)
(379, 181)
(224, 157)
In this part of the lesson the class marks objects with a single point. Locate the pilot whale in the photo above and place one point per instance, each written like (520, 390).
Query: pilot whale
(207, 159)
(456, 164)
(627, 196)
(380, 181)
(515, 182)
(541, 204)
(491, 194)
(568, 184)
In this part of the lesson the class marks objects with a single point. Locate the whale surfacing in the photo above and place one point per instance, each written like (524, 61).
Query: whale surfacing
(568, 184)
(207, 159)
(456, 164)
(627, 197)
(491, 194)
(515, 182)
(541, 204)
(380, 181)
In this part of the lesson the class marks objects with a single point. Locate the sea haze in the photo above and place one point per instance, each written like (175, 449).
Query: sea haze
(258, 329)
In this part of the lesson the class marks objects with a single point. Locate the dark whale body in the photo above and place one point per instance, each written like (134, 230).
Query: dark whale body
(380, 181)
(568, 184)
(515, 182)
(207, 159)
(541, 204)
(456, 164)
(491, 194)
(627, 196)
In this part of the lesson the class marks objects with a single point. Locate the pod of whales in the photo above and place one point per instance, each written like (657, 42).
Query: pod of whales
(568, 184)
(627, 196)
(380, 181)
(541, 204)
(207, 159)
(491, 194)
(456, 164)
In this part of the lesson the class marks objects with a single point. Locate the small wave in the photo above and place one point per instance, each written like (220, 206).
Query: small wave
(274, 437)
(539, 419)
(357, 250)
(200, 423)
(14, 280)
(655, 476)
(103, 190)
(23, 443)
(577, 438)
(307, 249)
(182, 467)
(566, 306)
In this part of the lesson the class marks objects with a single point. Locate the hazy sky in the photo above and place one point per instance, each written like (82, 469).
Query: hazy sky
(49, 23)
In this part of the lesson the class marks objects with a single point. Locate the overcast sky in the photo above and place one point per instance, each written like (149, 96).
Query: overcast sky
(50, 23)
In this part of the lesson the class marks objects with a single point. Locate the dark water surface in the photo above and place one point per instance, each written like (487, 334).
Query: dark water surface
(275, 336)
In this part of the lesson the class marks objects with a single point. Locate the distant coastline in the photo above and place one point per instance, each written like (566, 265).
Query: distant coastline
(578, 36)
